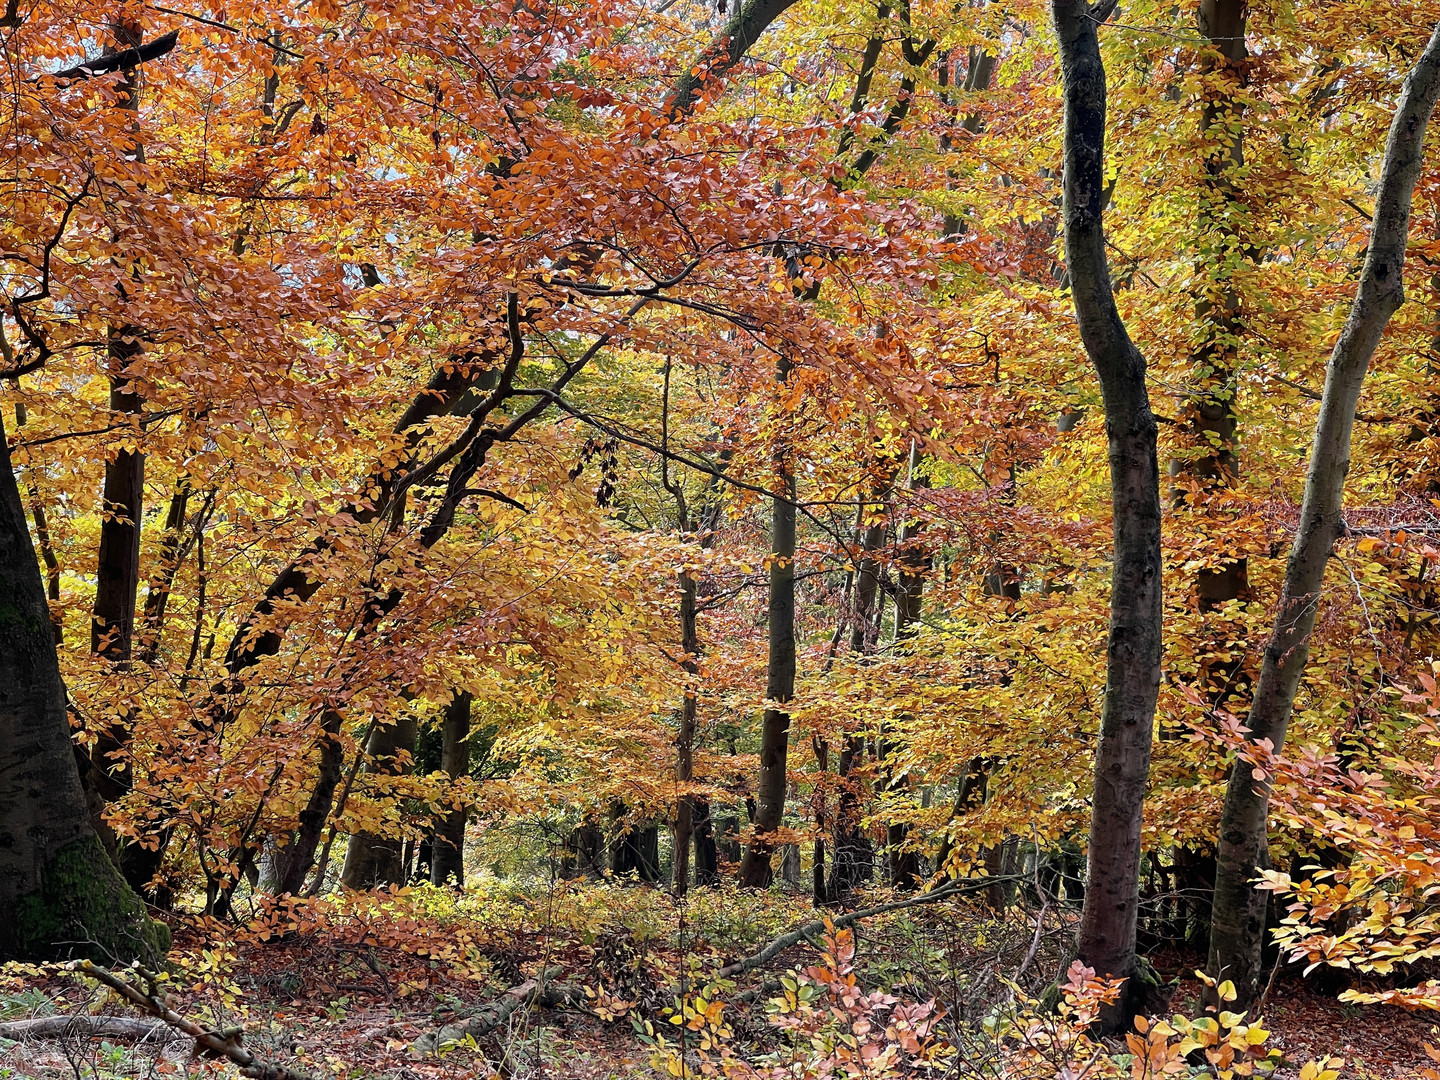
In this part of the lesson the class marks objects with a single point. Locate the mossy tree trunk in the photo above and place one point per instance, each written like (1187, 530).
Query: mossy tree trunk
(61, 893)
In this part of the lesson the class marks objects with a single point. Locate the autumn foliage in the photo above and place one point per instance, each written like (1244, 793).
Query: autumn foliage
(400, 396)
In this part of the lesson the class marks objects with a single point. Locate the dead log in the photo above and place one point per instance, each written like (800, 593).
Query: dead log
(537, 991)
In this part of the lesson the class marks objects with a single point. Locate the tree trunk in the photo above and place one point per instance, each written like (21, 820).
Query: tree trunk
(780, 678)
(790, 865)
(1238, 923)
(853, 863)
(447, 852)
(117, 571)
(1210, 424)
(300, 855)
(683, 828)
(47, 547)
(707, 855)
(61, 893)
(634, 849)
(584, 852)
(1209, 413)
(1106, 940)
(372, 860)
(173, 547)
(903, 865)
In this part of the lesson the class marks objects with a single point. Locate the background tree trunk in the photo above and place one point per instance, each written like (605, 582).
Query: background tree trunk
(683, 828)
(447, 850)
(117, 570)
(780, 678)
(371, 859)
(1238, 923)
(853, 863)
(1211, 466)
(903, 866)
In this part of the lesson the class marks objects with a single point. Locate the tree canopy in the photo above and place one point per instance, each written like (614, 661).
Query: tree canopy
(942, 464)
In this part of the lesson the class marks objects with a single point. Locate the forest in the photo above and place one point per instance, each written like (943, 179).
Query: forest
(739, 539)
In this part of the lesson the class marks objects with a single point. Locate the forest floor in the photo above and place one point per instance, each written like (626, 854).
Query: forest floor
(344, 988)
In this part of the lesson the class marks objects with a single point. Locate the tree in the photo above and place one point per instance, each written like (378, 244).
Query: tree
(447, 854)
(1238, 924)
(771, 786)
(63, 895)
(1106, 940)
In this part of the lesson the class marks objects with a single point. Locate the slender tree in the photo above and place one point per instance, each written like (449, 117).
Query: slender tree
(1238, 923)
(1106, 938)
(854, 854)
(780, 677)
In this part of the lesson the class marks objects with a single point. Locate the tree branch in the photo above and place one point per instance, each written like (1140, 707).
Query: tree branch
(810, 929)
(129, 58)
(222, 1044)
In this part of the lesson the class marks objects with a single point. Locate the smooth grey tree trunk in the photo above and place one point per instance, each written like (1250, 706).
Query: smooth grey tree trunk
(1106, 939)
(1238, 922)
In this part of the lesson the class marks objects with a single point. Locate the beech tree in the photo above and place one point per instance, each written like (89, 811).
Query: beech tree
(1106, 939)
(1238, 927)
(62, 894)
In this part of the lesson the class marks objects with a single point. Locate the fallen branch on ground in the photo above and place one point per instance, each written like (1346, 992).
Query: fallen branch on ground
(811, 929)
(537, 991)
(101, 1027)
(220, 1044)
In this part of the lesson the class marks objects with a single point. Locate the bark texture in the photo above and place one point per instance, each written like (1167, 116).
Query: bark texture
(1106, 938)
(447, 851)
(61, 894)
(780, 678)
(1238, 922)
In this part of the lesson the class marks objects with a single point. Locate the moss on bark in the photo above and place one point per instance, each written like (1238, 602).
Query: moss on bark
(85, 909)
